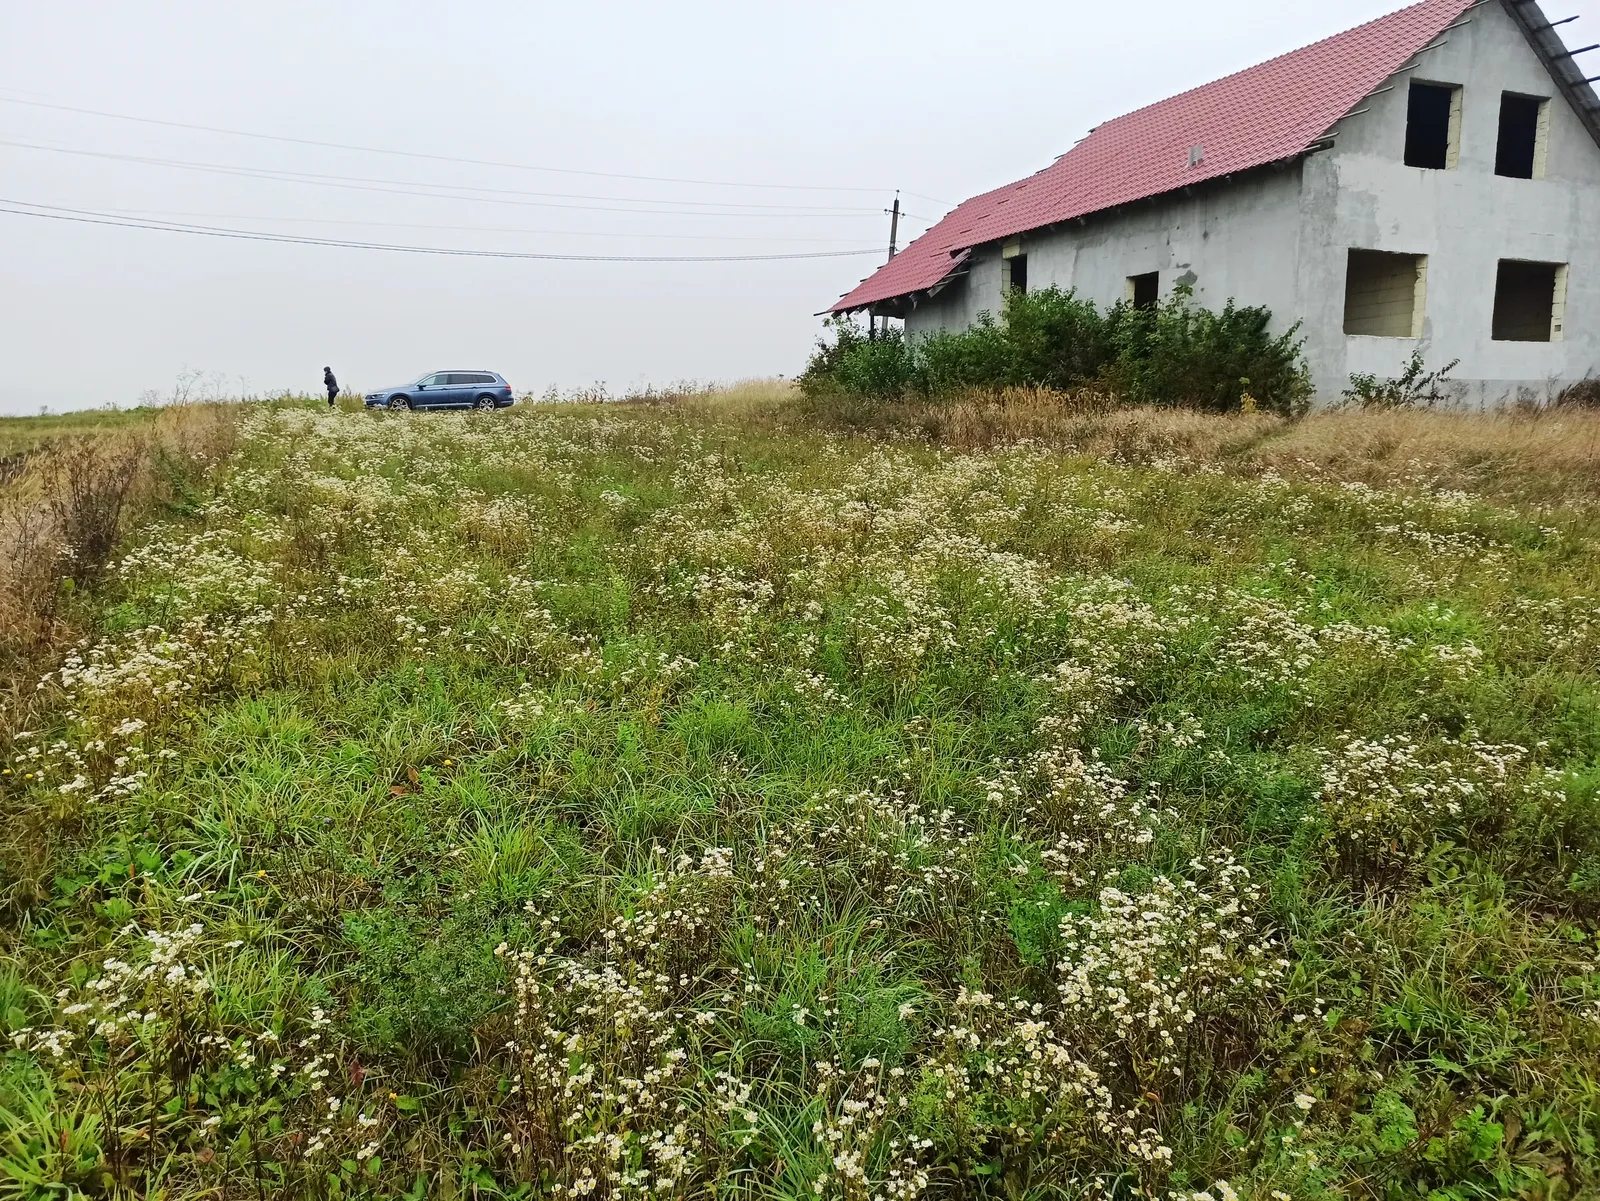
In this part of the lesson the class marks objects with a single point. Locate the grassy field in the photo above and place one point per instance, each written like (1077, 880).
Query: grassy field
(691, 800)
(21, 434)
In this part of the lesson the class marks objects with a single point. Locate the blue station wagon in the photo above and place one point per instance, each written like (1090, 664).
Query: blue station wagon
(486, 390)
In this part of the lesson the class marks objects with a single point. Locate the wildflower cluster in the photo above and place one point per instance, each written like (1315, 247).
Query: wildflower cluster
(1386, 800)
(1093, 827)
(1155, 975)
(148, 1036)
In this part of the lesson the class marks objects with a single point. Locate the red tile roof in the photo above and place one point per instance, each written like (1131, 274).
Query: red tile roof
(1263, 115)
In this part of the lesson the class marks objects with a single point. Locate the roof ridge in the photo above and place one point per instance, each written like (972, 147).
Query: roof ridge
(1446, 5)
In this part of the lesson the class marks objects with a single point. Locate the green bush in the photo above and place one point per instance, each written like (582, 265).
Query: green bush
(1057, 339)
(980, 357)
(828, 353)
(1414, 388)
(1181, 355)
(1176, 354)
(879, 368)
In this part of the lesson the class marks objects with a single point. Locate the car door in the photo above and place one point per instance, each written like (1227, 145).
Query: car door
(457, 390)
(429, 391)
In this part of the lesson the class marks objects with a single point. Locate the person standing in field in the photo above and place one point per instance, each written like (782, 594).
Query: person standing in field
(331, 384)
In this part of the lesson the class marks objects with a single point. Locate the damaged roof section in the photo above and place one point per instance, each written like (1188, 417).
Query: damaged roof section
(1267, 114)
(1561, 62)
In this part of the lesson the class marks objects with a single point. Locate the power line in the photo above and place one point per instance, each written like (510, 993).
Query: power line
(437, 158)
(53, 212)
(166, 214)
(444, 191)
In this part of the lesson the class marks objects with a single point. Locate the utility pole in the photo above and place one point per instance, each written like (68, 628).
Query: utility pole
(894, 237)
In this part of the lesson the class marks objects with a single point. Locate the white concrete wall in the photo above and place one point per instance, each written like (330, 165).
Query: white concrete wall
(958, 306)
(1230, 242)
(1282, 238)
(1361, 194)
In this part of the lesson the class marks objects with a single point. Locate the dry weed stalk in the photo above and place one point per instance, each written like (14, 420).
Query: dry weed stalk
(61, 513)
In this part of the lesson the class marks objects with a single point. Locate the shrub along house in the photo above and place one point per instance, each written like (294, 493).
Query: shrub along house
(1429, 180)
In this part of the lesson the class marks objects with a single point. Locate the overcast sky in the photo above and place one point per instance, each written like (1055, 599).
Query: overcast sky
(838, 103)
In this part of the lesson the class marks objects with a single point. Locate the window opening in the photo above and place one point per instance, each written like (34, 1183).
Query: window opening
(1384, 294)
(1144, 291)
(1529, 301)
(1524, 131)
(1017, 273)
(1433, 126)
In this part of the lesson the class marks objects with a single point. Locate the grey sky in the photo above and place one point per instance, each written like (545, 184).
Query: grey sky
(941, 99)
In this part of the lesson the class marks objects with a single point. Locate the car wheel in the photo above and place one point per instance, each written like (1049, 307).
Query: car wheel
(484, 404)
(399, 402)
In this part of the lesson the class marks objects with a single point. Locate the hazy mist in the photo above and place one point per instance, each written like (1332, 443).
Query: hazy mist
(940, 99)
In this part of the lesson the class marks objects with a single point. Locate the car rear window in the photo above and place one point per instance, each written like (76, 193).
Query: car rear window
(481, 379)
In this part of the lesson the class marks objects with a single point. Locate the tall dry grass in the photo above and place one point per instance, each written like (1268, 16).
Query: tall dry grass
(1089, 422)
(1543, 457)
(1547, 456)
(63, 506)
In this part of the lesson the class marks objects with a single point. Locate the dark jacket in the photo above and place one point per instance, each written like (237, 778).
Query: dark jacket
(328, 381)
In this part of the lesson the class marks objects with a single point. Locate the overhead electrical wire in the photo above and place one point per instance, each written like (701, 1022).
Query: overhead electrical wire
(93, 217)
(931, 199)
(654, 206)
(436, 158)
(167, 214)
(449, 191)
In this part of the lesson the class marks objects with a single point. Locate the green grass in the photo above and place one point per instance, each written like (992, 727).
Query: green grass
(20, 434)
(670, 801)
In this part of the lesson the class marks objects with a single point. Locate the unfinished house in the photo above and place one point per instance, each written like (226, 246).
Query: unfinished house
(1429, 180)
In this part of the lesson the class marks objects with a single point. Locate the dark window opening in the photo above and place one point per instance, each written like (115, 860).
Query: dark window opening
(1384, 294)
(1017, 273)
(1527, 301)
(1431, 127)
(1521, 122)
(1145, 290)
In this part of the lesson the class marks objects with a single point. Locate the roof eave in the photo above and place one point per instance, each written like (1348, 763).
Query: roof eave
(958, 260)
